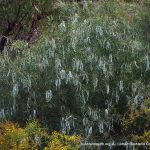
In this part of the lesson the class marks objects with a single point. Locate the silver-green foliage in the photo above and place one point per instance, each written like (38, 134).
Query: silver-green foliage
(93, 63)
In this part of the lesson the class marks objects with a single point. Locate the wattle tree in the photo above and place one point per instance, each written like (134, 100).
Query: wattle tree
(81, 73)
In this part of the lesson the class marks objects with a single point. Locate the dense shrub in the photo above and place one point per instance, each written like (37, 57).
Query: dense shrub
(136, 122)
(12, 137)
(33, 137)
(63, 142)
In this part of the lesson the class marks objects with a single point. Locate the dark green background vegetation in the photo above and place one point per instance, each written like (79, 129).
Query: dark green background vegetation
(77, 67)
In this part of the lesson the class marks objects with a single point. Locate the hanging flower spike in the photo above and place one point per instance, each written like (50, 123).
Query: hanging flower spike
(62, 26)
(15, 90)
(49, 95)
